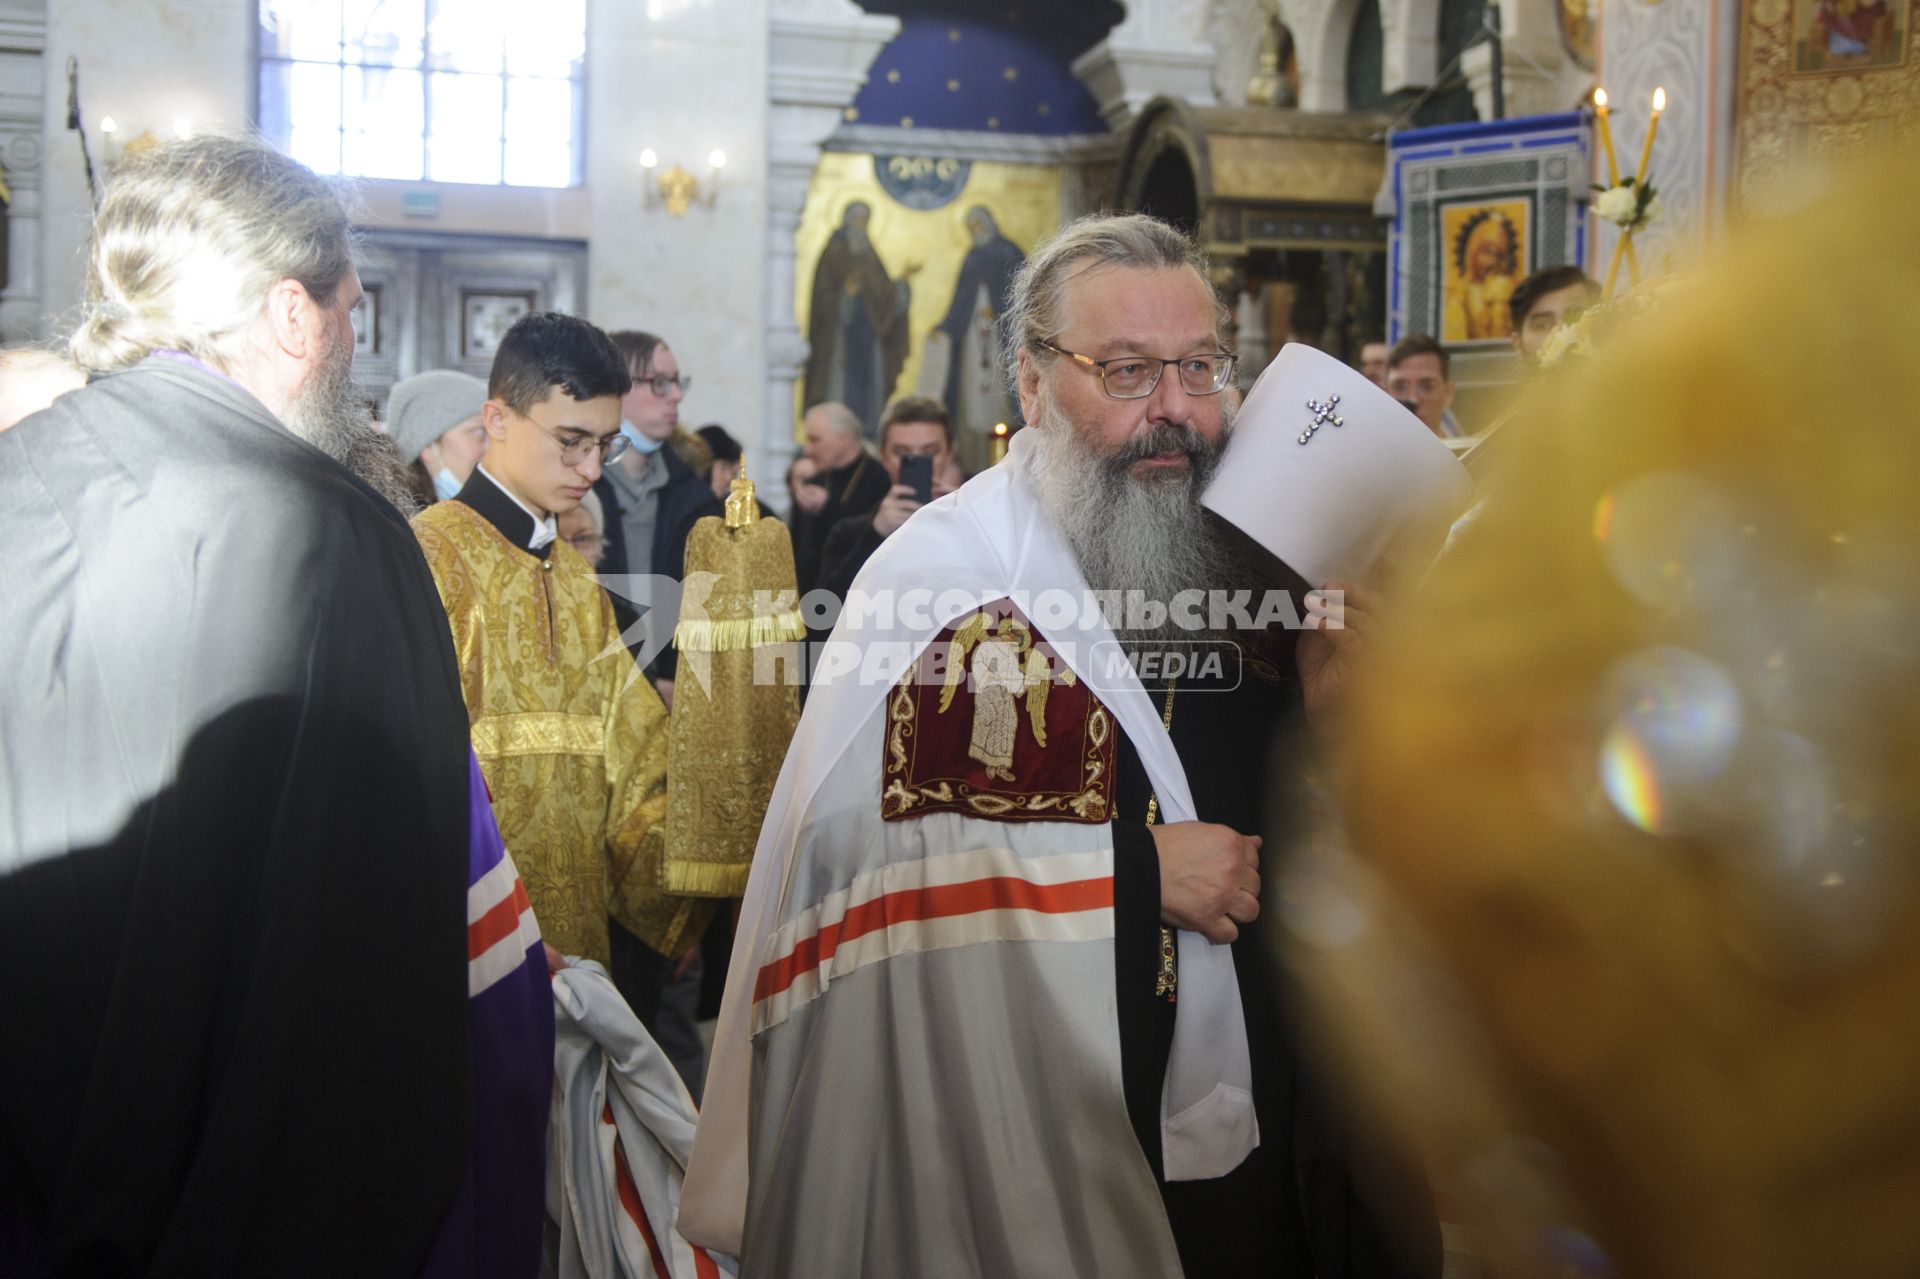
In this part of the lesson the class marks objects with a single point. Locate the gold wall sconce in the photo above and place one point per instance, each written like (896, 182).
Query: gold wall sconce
(678, 190)
(115, 150)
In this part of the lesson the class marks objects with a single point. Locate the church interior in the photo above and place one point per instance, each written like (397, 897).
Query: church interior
(681, 165)
(822, 201)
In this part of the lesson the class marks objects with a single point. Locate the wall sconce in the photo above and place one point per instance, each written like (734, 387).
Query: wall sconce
(115, 150)
(679, 190)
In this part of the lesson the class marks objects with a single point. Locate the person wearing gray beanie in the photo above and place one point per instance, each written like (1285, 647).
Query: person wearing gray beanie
(434, 419)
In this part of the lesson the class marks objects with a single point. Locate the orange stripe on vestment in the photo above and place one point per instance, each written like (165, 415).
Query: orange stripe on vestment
(500, 921)
(630, 1198)
(940, 901)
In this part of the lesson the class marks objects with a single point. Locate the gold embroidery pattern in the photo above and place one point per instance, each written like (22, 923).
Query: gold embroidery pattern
(538, 733)
(903, 797)
(734, 711)
(573, 745)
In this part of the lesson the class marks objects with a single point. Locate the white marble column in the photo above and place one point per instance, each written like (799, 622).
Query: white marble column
(23, 42)
(1251, 338)
(654, 80)
(1160, 47)
(1409, 44)
(1321, 31)
(1687, 47)
(818, 54)
(1540, 78)
(147, 65)
(1235, 29)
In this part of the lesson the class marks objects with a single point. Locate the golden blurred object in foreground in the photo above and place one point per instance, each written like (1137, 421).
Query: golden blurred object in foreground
(1630, 925)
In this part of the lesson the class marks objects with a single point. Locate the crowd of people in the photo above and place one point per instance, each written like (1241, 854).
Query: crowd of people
(1418, 371)
(328, 754)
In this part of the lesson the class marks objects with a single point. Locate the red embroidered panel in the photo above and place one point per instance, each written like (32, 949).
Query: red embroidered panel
(990, 723)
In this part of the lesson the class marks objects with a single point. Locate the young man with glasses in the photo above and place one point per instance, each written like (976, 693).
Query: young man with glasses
(1420, 376)
(571, 740)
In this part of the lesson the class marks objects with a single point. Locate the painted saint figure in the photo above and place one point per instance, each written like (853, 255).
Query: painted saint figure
(857, 323)
(976, 386)
(1855, 29)
(1486, 259)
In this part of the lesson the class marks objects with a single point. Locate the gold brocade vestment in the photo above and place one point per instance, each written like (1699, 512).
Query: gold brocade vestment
(573, 744)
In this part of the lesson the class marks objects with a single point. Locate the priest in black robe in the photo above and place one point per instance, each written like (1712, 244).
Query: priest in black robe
(1020, 958)
(234, 774)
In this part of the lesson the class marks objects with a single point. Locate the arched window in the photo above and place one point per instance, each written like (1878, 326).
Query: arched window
(483, 91)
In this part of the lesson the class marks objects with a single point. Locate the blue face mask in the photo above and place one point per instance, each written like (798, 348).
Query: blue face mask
(445, 487)
(641, 444)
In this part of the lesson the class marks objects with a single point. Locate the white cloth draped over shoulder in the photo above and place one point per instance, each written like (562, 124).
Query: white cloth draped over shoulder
(824, 844)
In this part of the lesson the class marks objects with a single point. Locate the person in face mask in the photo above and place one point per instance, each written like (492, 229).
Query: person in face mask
(434, 419)
(652, 495)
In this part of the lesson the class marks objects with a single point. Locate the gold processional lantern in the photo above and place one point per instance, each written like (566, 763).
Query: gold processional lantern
(736, 695)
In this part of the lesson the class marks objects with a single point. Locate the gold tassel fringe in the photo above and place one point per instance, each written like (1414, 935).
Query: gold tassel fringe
(707, 635)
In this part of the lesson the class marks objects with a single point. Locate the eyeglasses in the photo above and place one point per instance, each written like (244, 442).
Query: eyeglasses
(660, 383)
(586, 543)
(1133, 377)
(577, 446)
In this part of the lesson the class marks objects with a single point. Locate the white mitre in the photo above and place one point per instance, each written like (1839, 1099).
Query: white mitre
(1330, 473)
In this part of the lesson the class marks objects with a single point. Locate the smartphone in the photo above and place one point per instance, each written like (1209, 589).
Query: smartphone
(916, 472)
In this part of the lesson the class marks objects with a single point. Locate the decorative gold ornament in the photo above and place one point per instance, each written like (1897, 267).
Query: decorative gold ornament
(678, 189)
(1008, 671)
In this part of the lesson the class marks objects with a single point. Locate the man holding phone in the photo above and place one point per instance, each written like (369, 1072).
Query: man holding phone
(916, 447)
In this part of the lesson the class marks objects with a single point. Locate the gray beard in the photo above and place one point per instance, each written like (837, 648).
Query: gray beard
(329, 413)
(1128, 534)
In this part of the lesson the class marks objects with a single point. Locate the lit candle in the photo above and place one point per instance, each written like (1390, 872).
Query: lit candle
(998, 447)
(1604, 117)
(1653, 126)
(1606, 136)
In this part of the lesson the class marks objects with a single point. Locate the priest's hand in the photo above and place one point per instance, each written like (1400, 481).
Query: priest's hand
(1209, 878)
(1338, 622)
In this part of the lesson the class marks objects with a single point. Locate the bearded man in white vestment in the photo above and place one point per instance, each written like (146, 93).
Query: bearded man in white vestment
(987, 1020)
